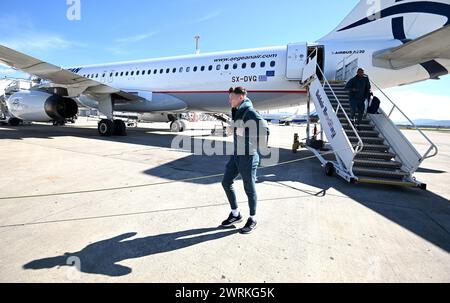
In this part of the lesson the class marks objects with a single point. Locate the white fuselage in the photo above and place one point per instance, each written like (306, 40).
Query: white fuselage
(201, 82)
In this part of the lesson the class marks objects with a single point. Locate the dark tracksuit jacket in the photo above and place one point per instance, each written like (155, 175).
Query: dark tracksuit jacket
(358, 97)
(362, 85)
(245, 159)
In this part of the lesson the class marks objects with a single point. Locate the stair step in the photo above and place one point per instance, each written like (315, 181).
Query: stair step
(375, 155)
(383, 173)
(367, 140)
(337, 92)
(383, 181)
(377, 164)
(364, 133)
(341, 99)
(343, 119)
(365, 127)
(346, 107)
(336, 88)
(375, 147)
(343, 102)
(341, 114)
(365, 122)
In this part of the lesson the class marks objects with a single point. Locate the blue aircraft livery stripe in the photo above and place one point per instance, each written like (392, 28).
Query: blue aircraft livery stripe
(434, 68)
(435, 8)
(398, 29)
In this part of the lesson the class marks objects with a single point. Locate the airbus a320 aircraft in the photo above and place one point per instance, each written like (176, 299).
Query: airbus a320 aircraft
(397, 42)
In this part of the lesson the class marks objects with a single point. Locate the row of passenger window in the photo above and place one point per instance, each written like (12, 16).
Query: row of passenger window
(180, 70)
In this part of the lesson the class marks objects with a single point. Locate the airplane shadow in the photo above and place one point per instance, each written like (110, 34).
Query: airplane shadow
(102, 257)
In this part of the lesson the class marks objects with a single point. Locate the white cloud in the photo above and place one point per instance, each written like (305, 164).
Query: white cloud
(208, 17)
(136, 38)
(21, 34)
(32, 41)
(118, 50)
(7, 71)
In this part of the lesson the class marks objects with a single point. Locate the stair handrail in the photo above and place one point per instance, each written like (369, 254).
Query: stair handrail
(395, 106)
(358, 147)
(344, 66)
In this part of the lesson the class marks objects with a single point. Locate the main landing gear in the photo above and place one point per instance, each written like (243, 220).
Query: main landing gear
(178, 123)
(178, 126)
(15, 122)
(108, 128)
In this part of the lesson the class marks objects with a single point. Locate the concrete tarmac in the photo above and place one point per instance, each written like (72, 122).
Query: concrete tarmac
(312, 228)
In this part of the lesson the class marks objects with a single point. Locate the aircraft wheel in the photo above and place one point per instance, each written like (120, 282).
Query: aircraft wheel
(59, 123)
(176, 126)
(120, 128)
(14, 122)
(105, 128)
(184, 125)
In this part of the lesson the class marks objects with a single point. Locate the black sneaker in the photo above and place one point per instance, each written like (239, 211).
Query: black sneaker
(249, 227)
(232, 220)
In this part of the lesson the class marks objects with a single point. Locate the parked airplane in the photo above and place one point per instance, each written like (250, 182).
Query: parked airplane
(397, 42)
(287, 118)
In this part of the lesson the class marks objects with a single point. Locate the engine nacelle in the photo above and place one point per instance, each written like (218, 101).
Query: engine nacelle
(38, 106)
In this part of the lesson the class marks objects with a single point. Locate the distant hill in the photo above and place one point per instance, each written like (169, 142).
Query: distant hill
(428, 122)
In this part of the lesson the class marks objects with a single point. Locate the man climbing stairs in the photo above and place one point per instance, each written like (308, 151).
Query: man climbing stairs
(376, 163)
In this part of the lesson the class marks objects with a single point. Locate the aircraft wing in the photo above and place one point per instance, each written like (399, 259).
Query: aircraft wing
(59, 77)
(435, 45)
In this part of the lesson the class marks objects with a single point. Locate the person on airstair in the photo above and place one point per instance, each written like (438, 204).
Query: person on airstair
(359, 91)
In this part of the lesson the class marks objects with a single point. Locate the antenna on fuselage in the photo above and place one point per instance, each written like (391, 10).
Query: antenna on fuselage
(197, 44)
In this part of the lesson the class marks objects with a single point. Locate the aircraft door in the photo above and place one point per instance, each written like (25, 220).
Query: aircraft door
(297, 55)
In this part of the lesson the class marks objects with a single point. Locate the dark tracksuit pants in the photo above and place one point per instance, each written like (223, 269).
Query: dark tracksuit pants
(357, 107)
(246, 166)
(359, 88)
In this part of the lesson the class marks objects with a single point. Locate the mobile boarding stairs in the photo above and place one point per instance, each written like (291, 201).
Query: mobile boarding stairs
(377, 153)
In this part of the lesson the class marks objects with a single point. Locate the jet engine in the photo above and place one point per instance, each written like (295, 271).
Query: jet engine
(38, 106)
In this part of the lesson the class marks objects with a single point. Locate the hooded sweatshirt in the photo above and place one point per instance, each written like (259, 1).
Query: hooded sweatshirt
(246, 145)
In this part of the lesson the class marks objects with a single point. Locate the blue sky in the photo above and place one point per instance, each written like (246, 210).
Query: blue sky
(136, 29)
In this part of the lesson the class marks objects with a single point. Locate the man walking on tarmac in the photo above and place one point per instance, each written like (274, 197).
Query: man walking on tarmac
(359, 89)
(245, 159)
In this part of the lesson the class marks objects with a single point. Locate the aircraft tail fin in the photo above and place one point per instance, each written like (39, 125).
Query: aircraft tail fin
(392, 19)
